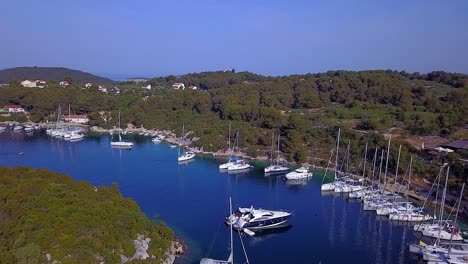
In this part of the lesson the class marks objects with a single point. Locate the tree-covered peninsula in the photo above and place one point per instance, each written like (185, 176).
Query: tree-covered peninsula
(306, 110)
(47, 216)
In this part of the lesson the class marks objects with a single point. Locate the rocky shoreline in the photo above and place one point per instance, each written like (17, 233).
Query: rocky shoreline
(141, 244)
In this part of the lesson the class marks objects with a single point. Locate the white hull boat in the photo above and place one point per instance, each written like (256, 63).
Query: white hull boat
(328, 186)
(186, 156)
(255, 219)
(299, 173)
(239, 166)
(274, 169)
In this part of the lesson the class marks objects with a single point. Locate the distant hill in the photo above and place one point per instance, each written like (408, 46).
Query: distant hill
(50, 73)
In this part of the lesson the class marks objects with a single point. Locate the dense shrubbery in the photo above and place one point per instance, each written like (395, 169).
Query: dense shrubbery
(303, 108)
(45, 212)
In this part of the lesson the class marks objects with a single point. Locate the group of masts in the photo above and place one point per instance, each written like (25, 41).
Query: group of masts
(65, 132)
(378, 198)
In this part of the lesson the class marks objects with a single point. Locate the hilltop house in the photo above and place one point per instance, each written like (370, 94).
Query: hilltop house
(147, 87)
(177, 86)
(102, 88)
(77, 119)
(33, 83)
(64, 84)
(40, 83)
(115, 90)
(29, 83)
(14, 109)
(88, 85)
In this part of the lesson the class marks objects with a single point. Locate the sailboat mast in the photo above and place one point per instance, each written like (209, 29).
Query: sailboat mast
(409, 181)
(365, 160)
(231, 257)
(229, 138)
(337, 148)
(456, 217)
(386, 162)
(442, 203)
(380, 168)
(272, 147)
(396, 173)
(373, 170)
(278, 152)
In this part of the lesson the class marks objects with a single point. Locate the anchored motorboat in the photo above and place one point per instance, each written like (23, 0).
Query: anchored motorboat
(246, 219)
(299, 173)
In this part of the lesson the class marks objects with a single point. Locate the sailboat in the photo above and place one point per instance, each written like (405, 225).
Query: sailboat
(331, 185)
(277, 167)
(238, 164)
(232, 159)
(186, 155)
(230, 259)
(121, 143)
(444, 253)
(411, 214)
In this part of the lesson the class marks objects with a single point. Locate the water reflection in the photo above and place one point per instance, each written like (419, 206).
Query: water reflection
(337, 227)
(297, 182)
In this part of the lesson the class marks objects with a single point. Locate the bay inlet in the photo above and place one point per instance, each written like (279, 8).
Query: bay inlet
(192, 199)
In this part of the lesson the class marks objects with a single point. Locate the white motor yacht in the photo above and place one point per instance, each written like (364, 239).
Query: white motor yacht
(299, 173)
(253, 219)
(187, 155)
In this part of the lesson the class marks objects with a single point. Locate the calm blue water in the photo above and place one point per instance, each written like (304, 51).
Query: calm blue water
(193, 200)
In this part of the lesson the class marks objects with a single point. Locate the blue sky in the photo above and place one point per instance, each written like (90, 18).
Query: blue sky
(154, 38)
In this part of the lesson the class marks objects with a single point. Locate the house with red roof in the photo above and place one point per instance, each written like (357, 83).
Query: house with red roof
(102, 88)
(64, 84)
(177, 86)
(77, 119)
(14, 109)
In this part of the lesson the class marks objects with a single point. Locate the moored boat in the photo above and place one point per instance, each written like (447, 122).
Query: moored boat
(299, 173)
(254, 219)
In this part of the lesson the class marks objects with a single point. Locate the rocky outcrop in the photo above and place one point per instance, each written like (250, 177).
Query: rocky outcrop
(178, 248)
(141, 245)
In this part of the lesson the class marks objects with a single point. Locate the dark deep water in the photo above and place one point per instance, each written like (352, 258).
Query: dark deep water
(193, 200)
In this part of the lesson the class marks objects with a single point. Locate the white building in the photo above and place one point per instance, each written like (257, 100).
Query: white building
(40, 83)
(147, 87)
(14, 109)
(177, 86)
(88, 85)
(102, 88)
(77, 119)
(29, 83)
(64, 83)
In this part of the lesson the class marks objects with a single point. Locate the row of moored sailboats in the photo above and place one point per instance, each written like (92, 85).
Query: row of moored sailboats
(376, 197)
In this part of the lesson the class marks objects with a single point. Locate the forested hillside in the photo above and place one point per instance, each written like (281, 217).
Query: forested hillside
(43, 212)
(48, 74)
(305, 110)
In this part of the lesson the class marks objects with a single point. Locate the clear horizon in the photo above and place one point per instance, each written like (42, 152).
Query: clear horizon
(156, 38)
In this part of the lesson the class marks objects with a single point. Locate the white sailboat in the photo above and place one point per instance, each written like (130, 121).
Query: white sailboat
(230, 259)
(232, 159)
(121, 143)
(185, 155)
(237, 164)
(331, 185)
(444, 253)
(275, 168)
